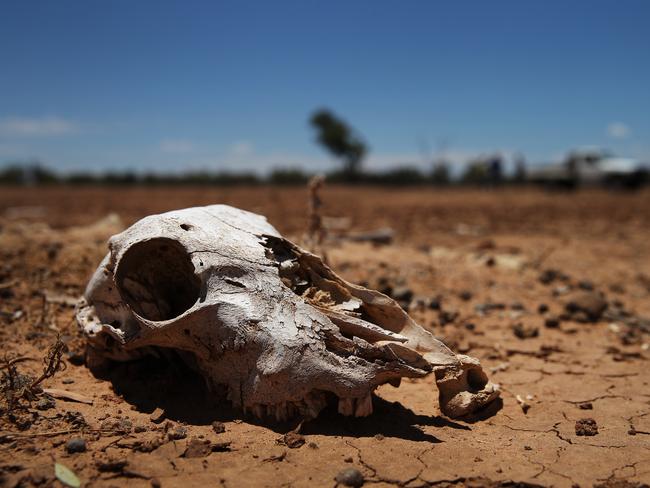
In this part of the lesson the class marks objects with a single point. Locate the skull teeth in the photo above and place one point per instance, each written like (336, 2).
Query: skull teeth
(346, 406)
(359, 407)
(364, 406)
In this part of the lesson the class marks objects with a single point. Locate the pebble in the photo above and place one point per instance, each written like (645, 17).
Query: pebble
(157, 416)
(218, 427)
(45, 403)
(447, 316)
(434, 303)
(525, 332)
(590, 305)
(465, 295)
(350, 477)
(586, 285)
(402, 294)
(76, 444)
(552, 322)
(177, 434)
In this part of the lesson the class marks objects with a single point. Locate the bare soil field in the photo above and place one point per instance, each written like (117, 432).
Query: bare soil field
(551, 291)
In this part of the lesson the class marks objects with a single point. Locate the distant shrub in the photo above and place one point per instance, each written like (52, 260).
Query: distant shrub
(288, 176)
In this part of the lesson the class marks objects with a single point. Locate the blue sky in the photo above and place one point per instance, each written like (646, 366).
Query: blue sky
(165, 86)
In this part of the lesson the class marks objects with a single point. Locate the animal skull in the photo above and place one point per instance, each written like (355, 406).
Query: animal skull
(257, 314)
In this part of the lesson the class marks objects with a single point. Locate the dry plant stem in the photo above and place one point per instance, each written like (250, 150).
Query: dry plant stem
(52, 362)
(316, 232)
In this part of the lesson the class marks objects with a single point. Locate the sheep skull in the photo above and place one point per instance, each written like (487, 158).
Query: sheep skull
(255, 313)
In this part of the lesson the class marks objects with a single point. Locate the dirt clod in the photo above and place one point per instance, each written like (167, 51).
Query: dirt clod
(524, 331)
(552, 322)
(586, 427)
(157, 416)
(45, 403)
(177, 433)
(218, 427)
(586, 306)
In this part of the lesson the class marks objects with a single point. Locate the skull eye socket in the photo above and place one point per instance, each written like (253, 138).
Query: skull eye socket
(156, 279)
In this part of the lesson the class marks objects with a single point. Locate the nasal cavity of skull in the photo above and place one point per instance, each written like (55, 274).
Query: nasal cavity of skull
(156, 279)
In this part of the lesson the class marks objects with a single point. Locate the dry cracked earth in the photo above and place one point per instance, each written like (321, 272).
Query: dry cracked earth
(550, 291)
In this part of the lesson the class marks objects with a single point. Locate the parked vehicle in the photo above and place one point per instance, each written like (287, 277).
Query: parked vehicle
(591, 167)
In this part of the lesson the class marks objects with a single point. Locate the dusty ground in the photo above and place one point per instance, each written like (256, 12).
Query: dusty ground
(490, 260)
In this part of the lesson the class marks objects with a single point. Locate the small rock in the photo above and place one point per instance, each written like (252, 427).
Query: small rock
(465, 295)
(561, 290)
(111, 465)
(434, 303)
(218, 427)
(293, 440)
(542, 308)
(116, 426)
(447, 316)
(157, 416)
(548, 276)
(177, 434)
(76, 444)
(155, 483)
(348, 459)
(484, 308)
(350, 477)
(587, 426)
(203, 447)
(585, 285)
(591, 305)
(586, 406)
(517, 306)
(402, 294)
(197, 448)
(525, 331)
(75, 419)
(551, 322)
(419, 303)
(45, 403)
(67, 381)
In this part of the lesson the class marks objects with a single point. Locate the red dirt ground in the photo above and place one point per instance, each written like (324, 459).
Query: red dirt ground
(490, 258)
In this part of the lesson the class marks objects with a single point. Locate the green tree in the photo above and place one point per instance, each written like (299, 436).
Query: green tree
(340, 140)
